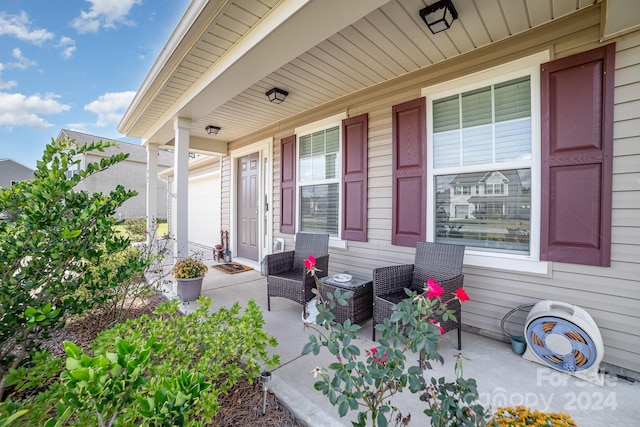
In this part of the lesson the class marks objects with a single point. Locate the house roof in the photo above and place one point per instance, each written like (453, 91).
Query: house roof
(225, 54)
(509, 175)
(137, 153)
(7, 160)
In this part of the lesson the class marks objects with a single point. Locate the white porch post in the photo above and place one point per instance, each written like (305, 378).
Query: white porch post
(152, 188)
(180, 224)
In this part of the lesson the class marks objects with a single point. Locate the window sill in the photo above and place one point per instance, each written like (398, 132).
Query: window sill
(516, 264)
(336, 243)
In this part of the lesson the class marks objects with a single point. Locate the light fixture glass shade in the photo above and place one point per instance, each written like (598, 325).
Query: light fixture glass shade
(439, 16)
(276, 95)
(212, 130)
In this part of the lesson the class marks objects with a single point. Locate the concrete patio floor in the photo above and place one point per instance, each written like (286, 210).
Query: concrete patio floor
(503, 378)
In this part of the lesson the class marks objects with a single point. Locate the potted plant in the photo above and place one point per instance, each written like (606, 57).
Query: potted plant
(189, 273)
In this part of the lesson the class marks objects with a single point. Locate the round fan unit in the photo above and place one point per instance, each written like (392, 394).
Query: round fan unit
(564, 337)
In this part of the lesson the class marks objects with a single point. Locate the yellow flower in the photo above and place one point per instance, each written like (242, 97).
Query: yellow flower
(189, 268)
(524, 416)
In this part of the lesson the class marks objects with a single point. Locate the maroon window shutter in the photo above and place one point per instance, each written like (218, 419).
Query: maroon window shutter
(577, 163)
(288, 185)
(409, 218)
(354, 177)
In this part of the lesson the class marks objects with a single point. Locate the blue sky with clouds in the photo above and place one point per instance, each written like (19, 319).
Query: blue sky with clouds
(74, 64)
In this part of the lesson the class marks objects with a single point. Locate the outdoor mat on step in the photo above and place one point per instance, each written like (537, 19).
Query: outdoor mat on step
(231, 267)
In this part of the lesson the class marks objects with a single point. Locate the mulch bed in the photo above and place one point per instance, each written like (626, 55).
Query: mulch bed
(243, 407)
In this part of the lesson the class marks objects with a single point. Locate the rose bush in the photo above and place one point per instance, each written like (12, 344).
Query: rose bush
(366, 384)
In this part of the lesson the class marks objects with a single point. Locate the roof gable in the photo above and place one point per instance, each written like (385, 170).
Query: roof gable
(137, 153)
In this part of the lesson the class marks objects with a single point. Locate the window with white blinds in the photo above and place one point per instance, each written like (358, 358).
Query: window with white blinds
(484, 126)
(319, 181)
(482, 154)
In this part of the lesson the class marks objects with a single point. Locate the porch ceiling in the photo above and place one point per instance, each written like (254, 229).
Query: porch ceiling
(224, 56)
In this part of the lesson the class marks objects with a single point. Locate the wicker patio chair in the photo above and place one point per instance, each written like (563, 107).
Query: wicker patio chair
(437, 260)
(286, 275)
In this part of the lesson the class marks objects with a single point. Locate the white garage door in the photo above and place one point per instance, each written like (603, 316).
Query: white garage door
(204, 210)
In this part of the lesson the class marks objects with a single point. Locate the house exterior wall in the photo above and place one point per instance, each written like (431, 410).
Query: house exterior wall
(131, 175)
(610, 295)
(11, 171)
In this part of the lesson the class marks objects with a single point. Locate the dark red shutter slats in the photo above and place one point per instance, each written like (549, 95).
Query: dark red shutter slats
(354, 177)
(288, 185)
(409, 219)
(577, 163)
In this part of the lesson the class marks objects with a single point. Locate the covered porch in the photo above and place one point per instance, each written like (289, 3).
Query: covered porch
(503, 378)
(356, 70)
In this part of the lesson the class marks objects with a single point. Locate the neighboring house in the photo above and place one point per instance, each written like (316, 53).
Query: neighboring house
(204, 199)
(12, 172)
(381, 115)
(130, 173)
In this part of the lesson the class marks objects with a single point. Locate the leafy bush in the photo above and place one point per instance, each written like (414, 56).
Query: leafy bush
(36, 374)
(111, 387)
(366, 384)
(46, 251)
(136, 228)
(160, 370)
(151, 259)
(223, 346)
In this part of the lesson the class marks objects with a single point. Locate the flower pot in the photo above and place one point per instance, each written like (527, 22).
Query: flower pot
(189, 289)
(518, 344)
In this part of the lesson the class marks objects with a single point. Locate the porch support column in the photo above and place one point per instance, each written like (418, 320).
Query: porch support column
(180, 223)
(152, 189)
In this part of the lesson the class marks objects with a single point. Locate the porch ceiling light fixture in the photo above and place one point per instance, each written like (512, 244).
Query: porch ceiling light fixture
(276, 95)
(212, 130)
(439, 16)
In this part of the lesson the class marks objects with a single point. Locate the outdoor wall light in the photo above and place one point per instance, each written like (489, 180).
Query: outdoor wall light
(212, 130)
(276, 95)
(439, 16)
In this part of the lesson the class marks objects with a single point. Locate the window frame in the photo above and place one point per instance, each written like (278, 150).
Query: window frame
(302, 131)
(530, 66)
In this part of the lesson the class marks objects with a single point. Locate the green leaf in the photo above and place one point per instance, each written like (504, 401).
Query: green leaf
(343, 408)
(381, 420)
(72, 400)
(72, 350)
(83, 374)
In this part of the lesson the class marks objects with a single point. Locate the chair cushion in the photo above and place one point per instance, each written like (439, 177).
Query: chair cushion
(395, 297)
(294, 274)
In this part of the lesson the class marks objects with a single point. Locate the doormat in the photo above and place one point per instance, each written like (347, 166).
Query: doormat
(231, 267)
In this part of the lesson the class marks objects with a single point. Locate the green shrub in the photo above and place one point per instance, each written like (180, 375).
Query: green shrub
(111, 388)
(46, 251)
(160, 370)
(367, 384)
(223, 346)
(136, 228)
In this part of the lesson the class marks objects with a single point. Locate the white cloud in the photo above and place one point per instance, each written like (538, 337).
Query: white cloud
(110, 107)
(19, 26)
(23, 62)
(68, 46)
(104, 14)
(78, 127)
(17, 109)
(3, 84)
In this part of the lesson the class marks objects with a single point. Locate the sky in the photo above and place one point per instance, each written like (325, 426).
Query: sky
(74, 64)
